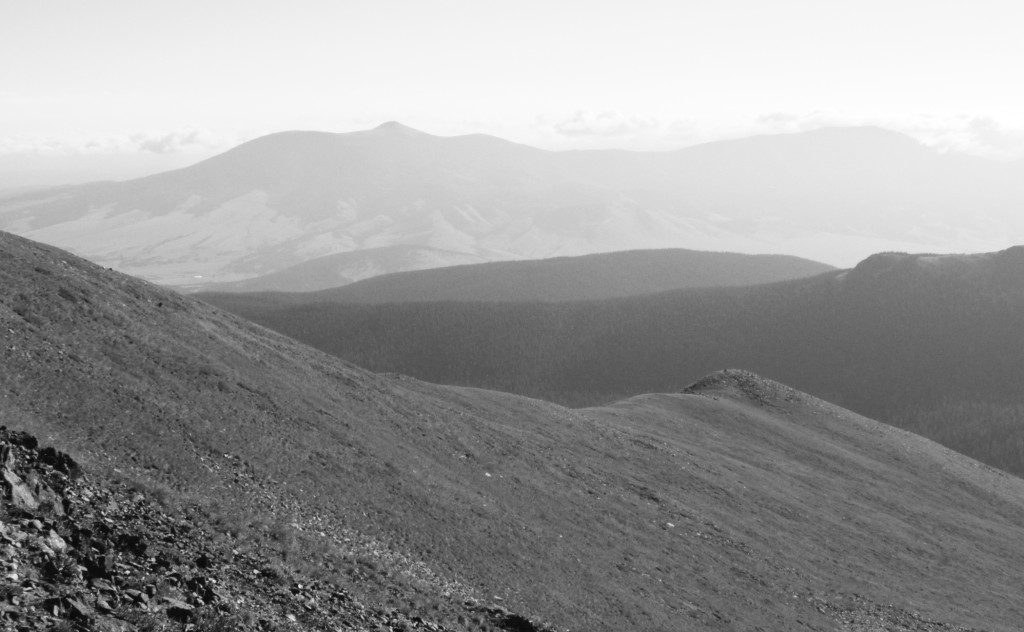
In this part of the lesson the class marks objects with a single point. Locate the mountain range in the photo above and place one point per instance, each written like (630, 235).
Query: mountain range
(930, 342)
(344, 268)
(735, 503)
(598, 276)
(833, 194)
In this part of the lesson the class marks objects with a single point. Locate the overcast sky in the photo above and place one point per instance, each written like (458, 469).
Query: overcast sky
(138, 86)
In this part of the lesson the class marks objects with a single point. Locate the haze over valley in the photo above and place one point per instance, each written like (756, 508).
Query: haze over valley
(834, 195)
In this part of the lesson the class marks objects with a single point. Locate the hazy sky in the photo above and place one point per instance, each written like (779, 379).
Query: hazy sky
(138, 85)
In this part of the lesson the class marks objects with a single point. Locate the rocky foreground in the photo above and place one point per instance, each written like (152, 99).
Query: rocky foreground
(76, 554)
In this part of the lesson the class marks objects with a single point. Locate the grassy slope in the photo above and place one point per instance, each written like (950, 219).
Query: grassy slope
(889, 339)
(782, 508)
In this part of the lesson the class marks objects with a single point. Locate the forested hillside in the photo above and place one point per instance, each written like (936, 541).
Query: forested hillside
(606, 275)
(904, 338)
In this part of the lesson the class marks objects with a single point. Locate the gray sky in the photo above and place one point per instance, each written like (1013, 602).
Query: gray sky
(131, 86)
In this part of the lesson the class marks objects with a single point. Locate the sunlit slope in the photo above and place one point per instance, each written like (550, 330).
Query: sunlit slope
(340, 269)
(738, 504)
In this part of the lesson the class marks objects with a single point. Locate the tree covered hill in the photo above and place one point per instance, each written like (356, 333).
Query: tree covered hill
(898, 337)
(587, 277)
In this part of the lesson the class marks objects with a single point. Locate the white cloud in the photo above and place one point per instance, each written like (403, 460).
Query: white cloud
(788, 122)
(604, 124)
(175, 142)
(987, 133)
(167, 143)
(777, 118)
(607, 129)
(980, 135)
(32, 161)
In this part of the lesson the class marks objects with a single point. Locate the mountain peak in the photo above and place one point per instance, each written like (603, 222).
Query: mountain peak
(394, 127)
(1001, 271)
(745, 385)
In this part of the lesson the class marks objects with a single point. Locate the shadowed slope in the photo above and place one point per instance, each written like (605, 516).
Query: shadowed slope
(729, 507)
(588, 277)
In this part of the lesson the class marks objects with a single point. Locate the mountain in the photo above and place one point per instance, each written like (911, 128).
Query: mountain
(283, 199)
(606, 275)
(738, 503)
(929, 342)
(343, 269)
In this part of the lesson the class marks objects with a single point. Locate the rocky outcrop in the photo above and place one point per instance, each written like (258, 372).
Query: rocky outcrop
(82, 554)
(85, 556)
(745, 385)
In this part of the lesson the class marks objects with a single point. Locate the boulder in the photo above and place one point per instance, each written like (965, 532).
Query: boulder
(18, 492)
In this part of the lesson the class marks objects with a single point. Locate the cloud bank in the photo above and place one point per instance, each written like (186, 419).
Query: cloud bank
(605, 124)
(163, 143)
(978, 135)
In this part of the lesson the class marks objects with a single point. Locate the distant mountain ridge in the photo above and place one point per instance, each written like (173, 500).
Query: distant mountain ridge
(586, 277)
(908, 339)
(341, 269)
(290, 197)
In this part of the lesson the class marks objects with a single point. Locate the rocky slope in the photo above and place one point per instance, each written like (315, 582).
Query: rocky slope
(83, 553)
